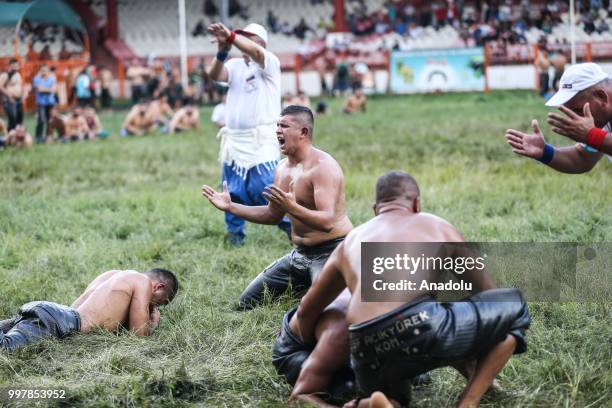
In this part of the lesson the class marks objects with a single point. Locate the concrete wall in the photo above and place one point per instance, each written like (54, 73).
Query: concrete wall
(500, 77)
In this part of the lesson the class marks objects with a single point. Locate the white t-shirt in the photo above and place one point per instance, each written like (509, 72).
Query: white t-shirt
(254, 94)
(218, 114)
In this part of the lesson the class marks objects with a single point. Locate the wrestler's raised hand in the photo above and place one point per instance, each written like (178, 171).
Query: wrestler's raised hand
(527, 144)
(221, 200)
(284, 200)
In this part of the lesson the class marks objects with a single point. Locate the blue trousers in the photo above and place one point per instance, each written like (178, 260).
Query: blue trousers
(245, 187)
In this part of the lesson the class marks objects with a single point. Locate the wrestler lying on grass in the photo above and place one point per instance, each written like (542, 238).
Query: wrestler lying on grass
(392, 342)
(113, 300)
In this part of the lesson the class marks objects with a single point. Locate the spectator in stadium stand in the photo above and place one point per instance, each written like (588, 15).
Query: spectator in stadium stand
(106, 80)
(218, 113)
(272, 21)
(584, 97)
(12, 93)
(210, 8)
(355, 103)
(301, 28)
(136, 75)
(45, 54)
(542, 66)
(199, 29)
(45, 87)
(31, 54)
(249, 146)
(64, 54)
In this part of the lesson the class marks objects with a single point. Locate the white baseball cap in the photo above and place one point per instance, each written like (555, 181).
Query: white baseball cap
(254, 29)
(577, 78)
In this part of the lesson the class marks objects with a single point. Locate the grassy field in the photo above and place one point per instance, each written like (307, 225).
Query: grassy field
(70, 212)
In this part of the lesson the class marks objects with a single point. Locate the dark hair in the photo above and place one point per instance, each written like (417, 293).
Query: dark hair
(13, 60)
(303, 113)
(168, 278)
(394, 185)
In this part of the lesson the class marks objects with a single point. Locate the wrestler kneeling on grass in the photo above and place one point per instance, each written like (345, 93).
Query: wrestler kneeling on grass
(477, 335)
(113, 300)
(308, 188)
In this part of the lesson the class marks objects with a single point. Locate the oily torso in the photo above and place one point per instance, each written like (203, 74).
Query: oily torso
(299, 178)
(394, 226)
(106, 302)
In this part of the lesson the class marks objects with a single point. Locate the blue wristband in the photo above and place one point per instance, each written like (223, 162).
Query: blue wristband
(549, 153)
(222, 55)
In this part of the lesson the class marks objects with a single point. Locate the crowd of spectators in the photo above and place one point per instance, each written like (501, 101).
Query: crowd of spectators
(480, 22)
(40, 39)
(299, 30)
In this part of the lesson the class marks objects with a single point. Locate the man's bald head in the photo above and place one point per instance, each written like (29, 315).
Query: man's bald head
(396, 185)
(302, 115)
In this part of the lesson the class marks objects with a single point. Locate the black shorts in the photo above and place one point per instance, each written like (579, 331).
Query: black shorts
(388, 351)
(38, 320)
(289, 353)
(297, 269)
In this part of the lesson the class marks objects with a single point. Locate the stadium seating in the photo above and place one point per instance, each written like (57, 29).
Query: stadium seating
(151, 27)
(7, 34)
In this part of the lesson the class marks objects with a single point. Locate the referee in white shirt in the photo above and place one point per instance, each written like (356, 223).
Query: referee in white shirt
(249, 149)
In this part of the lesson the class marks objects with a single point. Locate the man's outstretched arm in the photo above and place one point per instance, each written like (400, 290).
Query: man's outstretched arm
(262, 214)
(572, 159)
(247, 46)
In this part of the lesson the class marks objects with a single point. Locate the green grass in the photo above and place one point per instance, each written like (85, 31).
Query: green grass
(70, 212)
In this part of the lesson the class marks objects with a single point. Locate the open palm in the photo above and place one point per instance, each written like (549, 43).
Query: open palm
(220, 200)
(527, 144)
